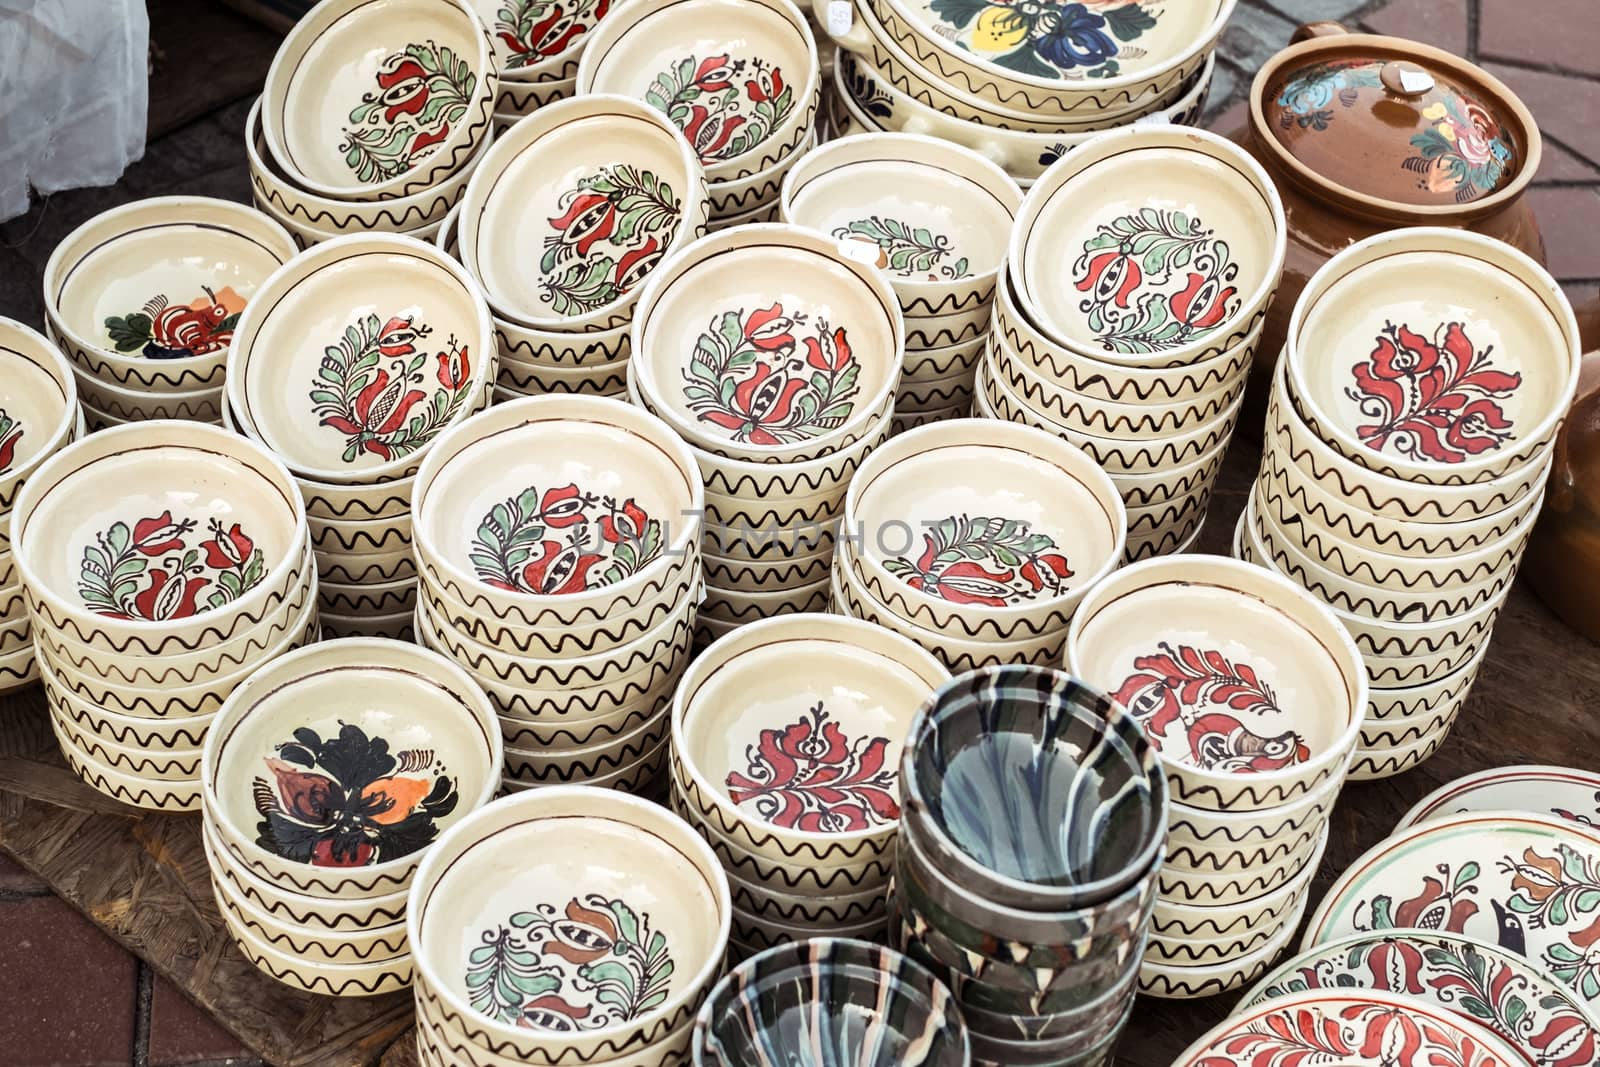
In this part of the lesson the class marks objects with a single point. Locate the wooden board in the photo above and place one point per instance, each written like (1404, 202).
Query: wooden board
(143, 878)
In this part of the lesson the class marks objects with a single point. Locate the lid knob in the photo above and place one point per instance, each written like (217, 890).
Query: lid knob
(1406, 79)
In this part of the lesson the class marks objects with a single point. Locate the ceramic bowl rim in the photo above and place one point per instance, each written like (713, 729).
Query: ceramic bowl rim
(44, 354)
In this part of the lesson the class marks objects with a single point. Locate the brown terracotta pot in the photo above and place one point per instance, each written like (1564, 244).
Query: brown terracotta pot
(1364, 133)
(1563, 558)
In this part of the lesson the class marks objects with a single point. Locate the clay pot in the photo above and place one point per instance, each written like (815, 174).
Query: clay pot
(1563, 558)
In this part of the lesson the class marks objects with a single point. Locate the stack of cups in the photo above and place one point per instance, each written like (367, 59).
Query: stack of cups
(559, 550)
(1409, 434)
(328, 775)
(933, 217)
(367, 124)
(536, 50)
(976, 540)
(39, 416)
(349, 376)
(1127, 326)
(601, 189)
(780, 397)
(786, 745)
(144, 299)
(163, 564)
(742, 82)
(1251, 695)
(1033, 904)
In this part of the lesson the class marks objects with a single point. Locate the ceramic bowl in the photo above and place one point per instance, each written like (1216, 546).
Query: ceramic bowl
(605, 186)
(123, 503)
(374, 944)
(327, 979)
(147, 296)
(1170, 982)
(113, 405)
(741, 200)
(440, 1044)
(753, 1013)
(359, 537)
(957, 360)
(1371, 765)
(356, 600)
(1220, 951)
(577, 765)
(929, 213)
(1208, 270)
(1253, 717)
(533, 48)
(166, 765)
(517, 99)
(950, 394)
(372, 389)
(817, 911)
(732, 575)
(134, 789)
(1478, 317)
(1203, 840)
(1190, 479)
(1565, 792)
(516, 382)
(150, 735)
(817, 485)
(375, 103)
(999, 544)
(1177, 917)
(762, 213)
(38, 410)
(325, 718)
(956, 327)
(805, 679)
(764, 297)
(980, 730)
(396, 627)
(741, 81)
(562, 876)
(745, 608)
(297, 909)
(1398, 718)
(550, 350)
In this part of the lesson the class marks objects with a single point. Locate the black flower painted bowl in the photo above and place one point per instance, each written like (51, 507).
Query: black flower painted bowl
(1033, 789)
(830, 1002)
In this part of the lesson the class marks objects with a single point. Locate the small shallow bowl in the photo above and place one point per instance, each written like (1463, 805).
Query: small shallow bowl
(1565, 792)
(562, 876)
(136, 790)
(367, 102)
(405, 726)
(313, 913)
(133, 732)
(327, 979)
(981, 529)
(1204, 840)
(115, 405)
(1478, 323)
(604, 186)
(1371, 765)
(347, 381)
(942, 361)
(562, 764)
(740, 80)
(1178, 920)
(1172, 982)
(809, 995)
(1204, 274)
(1074, 837)
(1247, 686)
(181, 765)
(38, 410)
(374, 944)
(931, 214)
(733, 575)
(561, 351)
(752, 714)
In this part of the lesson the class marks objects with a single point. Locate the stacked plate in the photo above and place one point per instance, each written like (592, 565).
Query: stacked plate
(372, 118)
(328, 775)
(787, 738)
(1136, 342)
(559, 551)
(1252, 695)
(1409, 435)
(162, 564)
(739, 78)
(602, 188)
(144, 299)
(933, 217)
(353, 359)
(536, 50)
(566, 926)
(1033, 903)
(1022, 86)
(775, 356)
(977, 540)
(39, 414)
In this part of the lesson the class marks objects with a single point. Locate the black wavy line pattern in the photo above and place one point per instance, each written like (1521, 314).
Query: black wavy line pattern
(1412, 709)
(1375, 764)
(729, 574)
(782, 483)
(809, 914)
(1182, 954)
(1244, 795)
(519, 767)
(1168, 542)
(345, 917)
(1096, 421)
(1182, 384)
(546, 353)
(910, 420)
(921, 366)
(379, 217)
(761, 546)
(1173, 886)
(1161, 985)
(14, 677)
(192, 736)
(395, 536)
(606, 381)
(1198, 480)
(726, 609)
(151, 406)
(355, 509)
(739, 514)
(1211, 930)
(1314, 816)
(1159, 517)
(382, 950)
(565, 674)
(923, 338)
(727, 204)
(518, 708)
(151, 798)
(516, 732)
(521, 99)
(920, 307)
(1391, 676)
(914, 398)
(342, 602)
(1376, 736)
(1211, 860)
(1047, 623)
(186, 769)
(387, 981)
(338, 572)
(159, 376)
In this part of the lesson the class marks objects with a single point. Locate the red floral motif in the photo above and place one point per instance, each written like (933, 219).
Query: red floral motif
(423, 91)
(165, 330)
(149, 571)
(703, 100)
(1203, 303)
(1113, 275)
(160, 535)
(535, 30)
(512, 549)
(986, 561)
(10, 434)
(810, 776)
(1434, 400)
(613, 228)
(1443, 903)
(1356, 1035)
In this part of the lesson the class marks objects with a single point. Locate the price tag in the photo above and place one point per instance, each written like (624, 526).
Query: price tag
(841, 16)
(859, 249)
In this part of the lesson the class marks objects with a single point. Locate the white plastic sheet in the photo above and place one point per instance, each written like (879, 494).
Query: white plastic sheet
(74, 91)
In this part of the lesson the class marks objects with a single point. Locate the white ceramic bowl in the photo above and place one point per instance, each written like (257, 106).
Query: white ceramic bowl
(38, 411)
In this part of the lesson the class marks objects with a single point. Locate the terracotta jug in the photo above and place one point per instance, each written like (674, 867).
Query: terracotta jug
(1563, 558)
(1364, 133)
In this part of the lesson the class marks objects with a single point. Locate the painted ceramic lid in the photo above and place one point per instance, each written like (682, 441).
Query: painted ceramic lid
(1395, 120)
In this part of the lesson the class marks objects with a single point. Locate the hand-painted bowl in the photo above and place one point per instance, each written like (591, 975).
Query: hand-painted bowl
(333, 768)
(1565, 792)
(1177, 920)
(315, 945)
(374, 101)
(297, 909)
(38, 409)
(1168, 981)
(1092, 819)
(742, 200)
(327, 979)
(517, 99)
(535, 46)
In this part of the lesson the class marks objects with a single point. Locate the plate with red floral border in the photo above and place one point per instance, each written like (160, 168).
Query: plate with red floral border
(1564, 792)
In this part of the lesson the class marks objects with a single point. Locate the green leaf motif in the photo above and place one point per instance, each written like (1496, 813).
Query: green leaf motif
(907, 250)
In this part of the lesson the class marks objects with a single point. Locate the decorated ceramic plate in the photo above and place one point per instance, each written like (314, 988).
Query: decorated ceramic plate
(1564, 792)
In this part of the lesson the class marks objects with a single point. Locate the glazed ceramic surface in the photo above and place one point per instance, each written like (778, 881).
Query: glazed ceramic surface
(38, 412)
(1564, 792)
(534, 45)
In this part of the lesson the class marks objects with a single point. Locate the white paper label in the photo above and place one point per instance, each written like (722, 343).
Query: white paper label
(859, 249)
(840, 17)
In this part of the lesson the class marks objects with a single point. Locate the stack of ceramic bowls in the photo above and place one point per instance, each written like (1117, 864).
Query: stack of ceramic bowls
(536, 50)
(372, 118)
(39, 414)
(775, 356)
(740, 78)
(811, 995)
(1032, 902)
(1409, 434)
(977, 539)
(566, 925)
(568, 214)
(1252, 695)
(350, 363)
(787, 738)
(162, 564)
(145, 298)
(1135, 342)
(559, 550)
(932, 216)
(1021, 85)
(326, 777)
